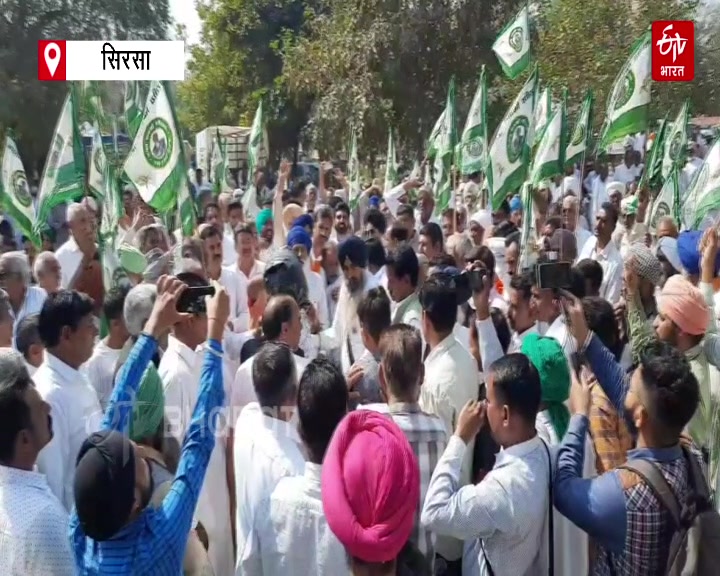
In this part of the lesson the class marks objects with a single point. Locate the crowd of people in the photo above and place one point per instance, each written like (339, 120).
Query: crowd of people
(372, 391)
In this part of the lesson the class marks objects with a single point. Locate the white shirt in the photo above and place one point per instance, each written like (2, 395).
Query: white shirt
(451, 379)
(243, 388)
(317, 296)
(294, 537)
(612, 265)
(688, 171)
(76, 414)
(381, 278)
(581, 237)
(599, 196)
(237, 289)
(69, 256)
(626, 175)
(559, 331)
(508, 510)
(256, 271)
(33, 527)
(516, 339)
(228, 250)
(100, 371)
(265, 451)
(32, 304)
(180, 373)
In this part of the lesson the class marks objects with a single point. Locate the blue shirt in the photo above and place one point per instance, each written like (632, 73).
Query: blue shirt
(154, 543)
(597, 505)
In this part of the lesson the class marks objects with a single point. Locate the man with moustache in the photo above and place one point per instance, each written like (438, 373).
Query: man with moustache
(321, 234)
(353, 256)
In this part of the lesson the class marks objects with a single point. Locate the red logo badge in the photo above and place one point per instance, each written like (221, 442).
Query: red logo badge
(673, 50)
(51, 59)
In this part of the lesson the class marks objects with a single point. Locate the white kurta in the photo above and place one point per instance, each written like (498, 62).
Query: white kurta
(69, 256)
(180, 373)
(237, 289)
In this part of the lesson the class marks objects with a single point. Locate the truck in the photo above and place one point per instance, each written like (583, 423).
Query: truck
(236, 138)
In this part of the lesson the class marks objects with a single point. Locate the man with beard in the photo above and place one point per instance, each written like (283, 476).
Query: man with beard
(602, 249)
(352, 256)
(342, 222)
(34, 523)
(321, 234)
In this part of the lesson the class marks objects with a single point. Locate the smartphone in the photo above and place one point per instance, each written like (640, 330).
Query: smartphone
(193, 299)
(553, 275)
(477, 278)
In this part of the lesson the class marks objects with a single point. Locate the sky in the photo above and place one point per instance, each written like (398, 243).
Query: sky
(184, 12)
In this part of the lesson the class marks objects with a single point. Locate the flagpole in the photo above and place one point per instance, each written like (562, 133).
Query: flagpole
(453, 177)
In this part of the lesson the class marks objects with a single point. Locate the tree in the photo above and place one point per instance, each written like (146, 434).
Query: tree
(239, 61)
(31, 107)
(584, 44)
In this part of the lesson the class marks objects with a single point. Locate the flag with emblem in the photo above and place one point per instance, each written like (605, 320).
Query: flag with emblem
(434, 134)
(353, 172)
(254, 146)
(528, 254)
(549, 158)
(15, 195)
(510, 147)
(701, 202)
(580, 139)
(676, 139)
(219, 164)
(629, 100)
(98, 161)
(63, 177)
(543, 108)
(444, 157)
(156, 163)
(473, 143)
(134, 107)
(391, 164)
(666, 203)
(111, 211)
(512, 46)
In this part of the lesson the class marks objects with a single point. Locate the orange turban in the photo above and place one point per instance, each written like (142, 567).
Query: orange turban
(685, 305)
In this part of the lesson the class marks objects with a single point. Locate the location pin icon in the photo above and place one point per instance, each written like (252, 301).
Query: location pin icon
(52, 57)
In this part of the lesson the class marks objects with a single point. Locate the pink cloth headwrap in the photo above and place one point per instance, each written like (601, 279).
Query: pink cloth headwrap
(370, 486)
(684, 304)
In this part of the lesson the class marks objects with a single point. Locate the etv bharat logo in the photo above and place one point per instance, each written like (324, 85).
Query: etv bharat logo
(668, 44)
(673, 50)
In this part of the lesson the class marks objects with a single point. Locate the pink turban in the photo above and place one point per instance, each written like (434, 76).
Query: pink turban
(684, 304)
(370, 486)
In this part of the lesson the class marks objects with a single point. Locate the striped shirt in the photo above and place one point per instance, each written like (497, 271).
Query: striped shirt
(154, 543)
(428, 439)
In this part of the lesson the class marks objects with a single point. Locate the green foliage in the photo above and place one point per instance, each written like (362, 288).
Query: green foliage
(32, 107)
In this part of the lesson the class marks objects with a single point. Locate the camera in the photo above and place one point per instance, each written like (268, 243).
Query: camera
(553, 275)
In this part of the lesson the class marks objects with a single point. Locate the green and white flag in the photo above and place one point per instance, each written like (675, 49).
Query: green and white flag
(473, 143)
(111, 211)
(98, 163)
(702, 199)
(629, 101)
(443, 161)
(391, 164)
(219, 164)
(15, 195)
(543, 109)
(434, 135)
(580, 140)
(156, 164)
(134, 107)
(254, 145)
(353, 172)
(666, 203)
(528, 255)
(510, 147)
(652, 173)
(675, 149)
(512, 46)
(63, 177)
(549, 159)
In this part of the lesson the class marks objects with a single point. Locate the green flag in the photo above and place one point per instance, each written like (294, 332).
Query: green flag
(666, 203)
(219, 165)
(580, 140)
(629, 101)
(434, 134)
(473, 143)
(510, 147)
(512, 46)
(63, 177)
(134, 107)
(14, 191)
(676, 138)
(443, 161)
(543, 109)
(254, 146)
(98, 162)
(353, 172)
(652, 174)
(702, 199)
(549, 159)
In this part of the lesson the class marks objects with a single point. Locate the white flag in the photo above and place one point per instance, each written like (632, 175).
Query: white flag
(98, 162)
(512, 46)
(701, 203)
(473, 142)
(543, 108)
(629, 101)
(510, 147)
(550, 154)
(580, 139)
(675, 144)
(666, 203)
